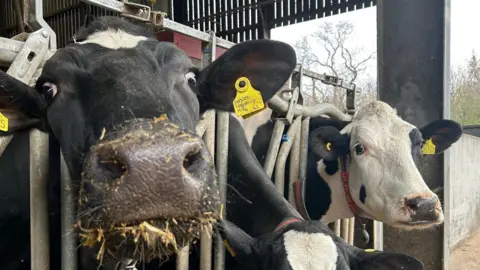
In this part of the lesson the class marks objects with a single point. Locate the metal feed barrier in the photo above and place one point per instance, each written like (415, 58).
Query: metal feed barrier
(25, 60)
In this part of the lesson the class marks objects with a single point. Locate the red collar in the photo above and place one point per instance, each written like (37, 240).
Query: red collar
(346, 186)
(287, 222)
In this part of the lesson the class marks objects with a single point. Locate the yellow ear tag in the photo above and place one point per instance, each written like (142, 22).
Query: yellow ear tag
(248, 101)
(369, 250)
(329, 146)
(3, 122)
(428, 147)
(229, 248)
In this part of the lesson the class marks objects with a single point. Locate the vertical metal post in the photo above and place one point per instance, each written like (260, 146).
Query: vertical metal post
(351, 230)
(345, 226)
(69, 236)
(222, 165)
(40, 244)
(294, 165)
(206, 235)
(182, 258)
(23, 68)
(447, 156)
(283, 154)
(273, 147)
(337, 227)
(209, 55)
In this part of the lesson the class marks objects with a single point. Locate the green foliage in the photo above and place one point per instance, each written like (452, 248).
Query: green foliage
(465, 95)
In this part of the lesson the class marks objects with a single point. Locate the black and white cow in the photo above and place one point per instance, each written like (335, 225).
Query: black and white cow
(279, 238)
(123, 108)
(306, 245)
(384, 181)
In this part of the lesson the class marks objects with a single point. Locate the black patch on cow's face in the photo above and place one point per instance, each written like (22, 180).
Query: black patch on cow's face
(416, 141)
(363, 194)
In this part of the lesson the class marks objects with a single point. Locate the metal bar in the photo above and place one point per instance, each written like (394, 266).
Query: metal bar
(18, 14)
(182, 258)
(279, 105)
(69, 236)
(33, 17)
(294, 165)
(40, 247)
(206, 121)
(206, 235)
(351, 230)
(222, 165)
(283, 154)
(4, 141)
(344, 230)
(157, 18)
(177, 27)
(209, 137)
(327, 79)
(377, 235)
(337, 226)
(304, 148)
(28, 59)
(273, 147)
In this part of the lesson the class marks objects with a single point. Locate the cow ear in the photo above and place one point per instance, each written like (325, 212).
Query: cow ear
(328, 143)
(21, 107)
(377, 260)
(440, 135)
(238, 243)
(252, 67)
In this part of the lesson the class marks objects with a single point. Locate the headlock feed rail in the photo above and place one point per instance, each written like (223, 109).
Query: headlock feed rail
(25, 54)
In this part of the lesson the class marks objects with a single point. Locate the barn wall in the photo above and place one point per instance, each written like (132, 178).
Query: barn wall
(465, 189)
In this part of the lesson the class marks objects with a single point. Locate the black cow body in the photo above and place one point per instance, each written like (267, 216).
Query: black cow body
(123, 108)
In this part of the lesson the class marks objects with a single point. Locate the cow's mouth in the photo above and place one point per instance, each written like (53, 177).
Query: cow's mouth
(145, 240)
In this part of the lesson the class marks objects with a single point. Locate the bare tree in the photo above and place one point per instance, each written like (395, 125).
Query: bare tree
(335, 57)
(465, 92)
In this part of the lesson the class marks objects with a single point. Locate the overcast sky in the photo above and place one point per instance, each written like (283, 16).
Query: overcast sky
(464, 29)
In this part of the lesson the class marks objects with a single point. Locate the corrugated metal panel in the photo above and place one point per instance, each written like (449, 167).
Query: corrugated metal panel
(238, 20)
(234, 20)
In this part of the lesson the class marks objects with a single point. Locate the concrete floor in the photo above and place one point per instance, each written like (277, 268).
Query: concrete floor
(467, 255)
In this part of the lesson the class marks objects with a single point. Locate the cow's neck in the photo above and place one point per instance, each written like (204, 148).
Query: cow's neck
(338, 207)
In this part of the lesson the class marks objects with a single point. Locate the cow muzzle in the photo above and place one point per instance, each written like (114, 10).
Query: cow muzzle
(424, 211)
(149, 186)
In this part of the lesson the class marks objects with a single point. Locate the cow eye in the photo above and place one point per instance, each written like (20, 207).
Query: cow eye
(190, 76)
(359, 149)
(48, 91)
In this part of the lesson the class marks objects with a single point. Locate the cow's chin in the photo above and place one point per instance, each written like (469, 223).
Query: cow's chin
(145, 240)
(404, 221)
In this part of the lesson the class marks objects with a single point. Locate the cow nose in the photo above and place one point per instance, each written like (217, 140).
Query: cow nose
(424, 210)
(160, 170)
(113, 162)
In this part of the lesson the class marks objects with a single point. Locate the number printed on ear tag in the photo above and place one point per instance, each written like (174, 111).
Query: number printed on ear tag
(3, 122)
(248, 101)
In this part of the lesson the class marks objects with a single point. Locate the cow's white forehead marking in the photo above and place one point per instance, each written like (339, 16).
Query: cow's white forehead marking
(310, 251)
(378, 124)
(114, 39)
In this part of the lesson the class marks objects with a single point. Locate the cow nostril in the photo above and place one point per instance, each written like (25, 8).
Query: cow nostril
(414, 203)
(193, 161)
(111, 169)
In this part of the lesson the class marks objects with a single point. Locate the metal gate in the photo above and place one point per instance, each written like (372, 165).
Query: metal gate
(25, 55)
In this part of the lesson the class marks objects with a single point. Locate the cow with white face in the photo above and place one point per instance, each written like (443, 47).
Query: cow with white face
(381, 153)
(268, 233)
